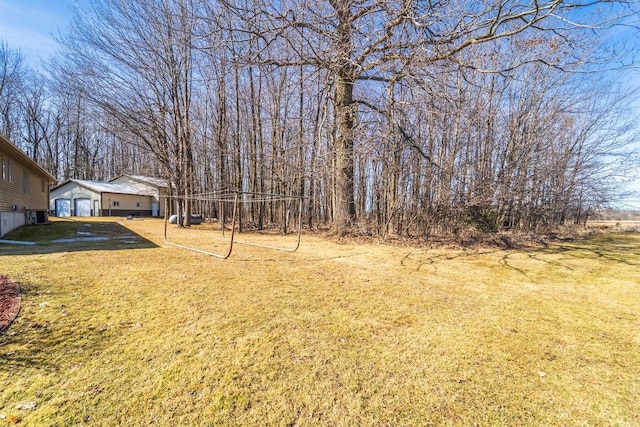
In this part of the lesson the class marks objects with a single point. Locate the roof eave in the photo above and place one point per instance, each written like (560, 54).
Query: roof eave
(22, 156)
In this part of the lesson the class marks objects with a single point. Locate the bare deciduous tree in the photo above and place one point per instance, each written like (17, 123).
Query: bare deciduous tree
(389, 41)
(12, 75)
(401, 118)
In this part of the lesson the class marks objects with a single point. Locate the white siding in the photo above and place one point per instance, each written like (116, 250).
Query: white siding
(72, 191)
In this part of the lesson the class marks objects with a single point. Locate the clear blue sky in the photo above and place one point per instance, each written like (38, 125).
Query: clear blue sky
(29, 25)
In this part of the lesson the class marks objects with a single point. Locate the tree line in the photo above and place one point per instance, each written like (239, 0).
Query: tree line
(403, 118)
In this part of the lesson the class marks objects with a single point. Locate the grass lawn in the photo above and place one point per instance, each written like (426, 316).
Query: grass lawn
(128, 331)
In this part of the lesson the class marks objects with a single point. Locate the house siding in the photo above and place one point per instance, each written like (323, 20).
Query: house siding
(12, 192)
(23, 190)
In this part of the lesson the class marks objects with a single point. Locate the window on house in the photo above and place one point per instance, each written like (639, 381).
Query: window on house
(139, 204)
(43, 186)
(115, 203)
(7, 168)
(25, 182)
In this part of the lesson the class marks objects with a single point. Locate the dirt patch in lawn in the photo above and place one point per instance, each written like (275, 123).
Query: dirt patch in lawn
(9, 302)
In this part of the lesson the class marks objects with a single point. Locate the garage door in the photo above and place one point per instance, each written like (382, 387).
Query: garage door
(63, 207)
(83, 207)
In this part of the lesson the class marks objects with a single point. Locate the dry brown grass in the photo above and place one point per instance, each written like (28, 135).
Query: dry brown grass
(137, 333)
(620, 226)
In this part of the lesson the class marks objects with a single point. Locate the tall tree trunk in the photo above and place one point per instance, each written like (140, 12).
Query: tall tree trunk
(344, 208)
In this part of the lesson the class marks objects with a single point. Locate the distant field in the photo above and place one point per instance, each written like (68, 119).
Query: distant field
(623, 226)
(128, 331)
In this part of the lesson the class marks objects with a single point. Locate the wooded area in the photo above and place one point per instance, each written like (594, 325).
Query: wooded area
(399, 118)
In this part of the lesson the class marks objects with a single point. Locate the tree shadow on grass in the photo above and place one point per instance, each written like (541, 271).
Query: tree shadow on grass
(615, 248)
(50, 337)
(422, 261)
(73, 236)
(49, 345)
(507, 263)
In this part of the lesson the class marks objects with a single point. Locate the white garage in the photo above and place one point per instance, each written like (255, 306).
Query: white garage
(77, 197)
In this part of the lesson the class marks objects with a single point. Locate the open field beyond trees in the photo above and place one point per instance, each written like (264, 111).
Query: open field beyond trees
(128, 331)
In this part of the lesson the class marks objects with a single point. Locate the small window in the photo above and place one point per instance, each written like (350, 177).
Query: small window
(115, 203)
(7, 168)
(43, 186)
(26, 183)
(139, 204)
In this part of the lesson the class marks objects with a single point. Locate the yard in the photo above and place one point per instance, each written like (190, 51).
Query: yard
(128, 331)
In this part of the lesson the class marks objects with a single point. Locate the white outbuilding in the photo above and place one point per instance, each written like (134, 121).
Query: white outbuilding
(157, 187)
(76, 197)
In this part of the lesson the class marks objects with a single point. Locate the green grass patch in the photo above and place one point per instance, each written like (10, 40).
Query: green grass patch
(334, 334)
(70, 235)
(57, 229)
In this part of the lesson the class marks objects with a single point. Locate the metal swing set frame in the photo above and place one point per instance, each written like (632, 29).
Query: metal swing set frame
(237, 198)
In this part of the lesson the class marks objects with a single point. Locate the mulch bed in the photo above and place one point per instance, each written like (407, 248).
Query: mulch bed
(9, 302)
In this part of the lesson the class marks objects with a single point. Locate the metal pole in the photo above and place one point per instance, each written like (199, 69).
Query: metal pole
(280, 248)
(222, 217)
(220, 256)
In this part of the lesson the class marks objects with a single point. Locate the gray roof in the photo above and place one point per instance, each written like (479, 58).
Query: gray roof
(156, 182)
(107, 187)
